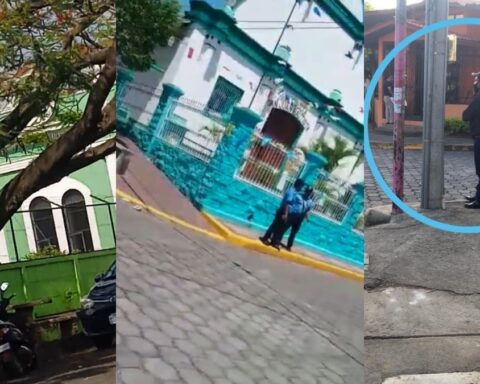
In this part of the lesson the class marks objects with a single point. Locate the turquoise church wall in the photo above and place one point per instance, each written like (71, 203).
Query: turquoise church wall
(214, 188)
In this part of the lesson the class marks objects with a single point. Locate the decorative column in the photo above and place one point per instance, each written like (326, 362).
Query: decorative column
(124, 77)
(315, 164)
(170, 94)
(230, 152)
(356, 208)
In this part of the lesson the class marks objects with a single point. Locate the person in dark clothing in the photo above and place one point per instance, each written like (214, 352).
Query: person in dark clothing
(281, 215)
(295, 221)
(388, 99)
(472, 115)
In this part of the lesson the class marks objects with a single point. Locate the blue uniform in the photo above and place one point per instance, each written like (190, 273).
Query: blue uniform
(296, 205)
(295, 219)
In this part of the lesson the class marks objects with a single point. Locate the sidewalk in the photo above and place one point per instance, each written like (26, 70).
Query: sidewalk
(145, 182)
(422, 293)
(382, 137)
(255, 234)
(147, 186)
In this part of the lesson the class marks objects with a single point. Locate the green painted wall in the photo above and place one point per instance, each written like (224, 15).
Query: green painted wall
(18, 225)
(64, 279)
(95, 177)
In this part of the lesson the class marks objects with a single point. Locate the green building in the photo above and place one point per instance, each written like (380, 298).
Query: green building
(74, 215)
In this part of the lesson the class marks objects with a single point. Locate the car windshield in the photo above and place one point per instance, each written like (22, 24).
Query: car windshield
(111, 272)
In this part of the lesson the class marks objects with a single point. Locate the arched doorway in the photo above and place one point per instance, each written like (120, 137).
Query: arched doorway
(268, 153)
(282, 127)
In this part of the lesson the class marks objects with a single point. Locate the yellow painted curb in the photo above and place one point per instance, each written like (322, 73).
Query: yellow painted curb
(225, 234)
(257, 246)
(132, 200)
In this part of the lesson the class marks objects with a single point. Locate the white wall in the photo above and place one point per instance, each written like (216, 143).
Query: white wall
(197, 75)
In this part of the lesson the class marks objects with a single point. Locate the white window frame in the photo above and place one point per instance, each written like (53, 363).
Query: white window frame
(54, 193)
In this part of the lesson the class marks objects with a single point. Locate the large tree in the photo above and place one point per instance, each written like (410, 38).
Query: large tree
(52, 50)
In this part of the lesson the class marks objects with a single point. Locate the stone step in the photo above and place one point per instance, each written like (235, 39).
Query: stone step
(440, 378)
(396, 357)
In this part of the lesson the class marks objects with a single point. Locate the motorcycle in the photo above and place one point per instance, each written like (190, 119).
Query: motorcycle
(17, 355)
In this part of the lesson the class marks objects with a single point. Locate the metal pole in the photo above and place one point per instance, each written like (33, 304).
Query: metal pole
(14, 240)
(399, 103)
(285, 27)
(436, 60)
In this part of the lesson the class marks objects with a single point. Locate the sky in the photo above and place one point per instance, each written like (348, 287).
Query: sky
(318, 55)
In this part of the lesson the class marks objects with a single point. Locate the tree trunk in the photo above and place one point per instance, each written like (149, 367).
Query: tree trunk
(56, 161)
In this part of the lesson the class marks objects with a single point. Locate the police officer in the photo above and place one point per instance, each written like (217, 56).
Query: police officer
(472, 115)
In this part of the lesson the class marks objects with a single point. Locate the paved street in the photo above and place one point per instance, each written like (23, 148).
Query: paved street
(422, 298)
(460, 176)
(86, 366)
(195, 310)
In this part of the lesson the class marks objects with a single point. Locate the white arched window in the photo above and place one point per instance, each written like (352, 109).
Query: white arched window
(76, 218)
(43, 223)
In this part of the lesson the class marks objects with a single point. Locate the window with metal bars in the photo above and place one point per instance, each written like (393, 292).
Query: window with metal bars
(43, 223)
(224, 97)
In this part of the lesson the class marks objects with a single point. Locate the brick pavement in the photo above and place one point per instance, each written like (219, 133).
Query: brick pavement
(194, 310)
(460, 176)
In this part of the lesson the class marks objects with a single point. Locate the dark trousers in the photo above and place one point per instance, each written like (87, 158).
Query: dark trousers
(276, 227)
(294, 222)
(476, 151)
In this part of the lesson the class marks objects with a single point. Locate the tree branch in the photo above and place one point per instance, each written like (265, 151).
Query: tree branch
(95, 121)
(17, 120)
(86, 158)
(82, 25)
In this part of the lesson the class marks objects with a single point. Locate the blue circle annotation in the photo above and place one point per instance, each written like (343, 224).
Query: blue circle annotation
(368, 150)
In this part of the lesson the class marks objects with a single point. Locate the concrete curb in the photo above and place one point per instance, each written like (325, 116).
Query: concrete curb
(225, 234)
(439, 378)
(418, 147)
(382, 214)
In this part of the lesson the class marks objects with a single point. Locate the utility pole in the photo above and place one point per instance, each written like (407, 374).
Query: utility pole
(399, 103)
(436, 60)
(285, 27)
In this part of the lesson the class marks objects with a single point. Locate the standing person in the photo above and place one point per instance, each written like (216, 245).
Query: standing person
(291, 214)
(472, 115)
(281, 215)
(388, 98)
(295, 220)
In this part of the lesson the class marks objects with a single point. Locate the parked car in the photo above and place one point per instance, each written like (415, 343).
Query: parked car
(97, 314)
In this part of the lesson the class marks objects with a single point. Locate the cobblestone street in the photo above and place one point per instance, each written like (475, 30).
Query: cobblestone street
(196, 310)
(460, 178)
